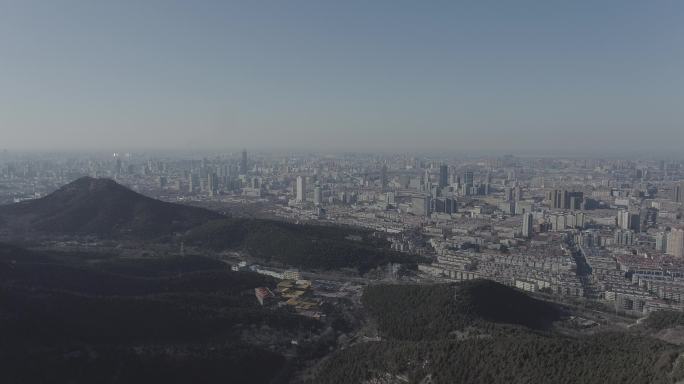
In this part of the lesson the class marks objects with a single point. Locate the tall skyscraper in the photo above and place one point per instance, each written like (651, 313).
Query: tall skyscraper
(675, 243)
(623, 217)
(212, 183)
(243, 163)
(317, 197)
(628, 220)
(390, 198)
(192, 183)
(301, 189)
(624, 237)
(517, 193)
(661, 241)
(564, 199)
(162, 182)
(678, 193)
(420, 206)
(468, 179)
(556, 197)
(383, 177)
(443, 176)
(527, 225)
(508, 194)
(427, 184)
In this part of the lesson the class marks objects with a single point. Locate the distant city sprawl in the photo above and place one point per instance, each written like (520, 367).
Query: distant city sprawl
(604, 229)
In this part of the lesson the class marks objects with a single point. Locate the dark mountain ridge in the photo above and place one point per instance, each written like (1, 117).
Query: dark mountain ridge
(105, 209)
(90, 206)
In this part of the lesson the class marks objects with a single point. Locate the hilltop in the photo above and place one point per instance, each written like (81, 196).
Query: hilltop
(90, 206)
(103, 208)
(484, 332)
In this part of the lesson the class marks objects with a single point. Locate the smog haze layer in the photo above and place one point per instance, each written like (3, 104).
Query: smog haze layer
(383, 75)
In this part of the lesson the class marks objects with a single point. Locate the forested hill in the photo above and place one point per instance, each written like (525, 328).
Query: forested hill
(107, 210)
(304, 246)
(420, 312)
(524, 358)
(163, 320)
(483, 332)
(101, 207)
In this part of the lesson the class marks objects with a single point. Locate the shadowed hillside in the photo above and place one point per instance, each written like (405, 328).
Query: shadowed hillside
(102, 207)
(303, 246)
(471, 332)
(522, 358)
(170, 320)
(419, 312)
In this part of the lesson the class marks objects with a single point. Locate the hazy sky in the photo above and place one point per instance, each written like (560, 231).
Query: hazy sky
(512, 75)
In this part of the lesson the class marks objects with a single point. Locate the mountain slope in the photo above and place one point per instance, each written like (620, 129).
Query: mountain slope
(168, 320)
(100, 207)
(520, 359)
(420, 312)
(302, 246)
(484, 332)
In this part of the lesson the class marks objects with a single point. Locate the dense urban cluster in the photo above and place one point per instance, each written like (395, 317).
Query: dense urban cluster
(606, 229)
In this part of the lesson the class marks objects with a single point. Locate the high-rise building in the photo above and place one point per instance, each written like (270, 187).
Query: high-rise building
(557, 198)
(193, 182)
(527, 225)
(301, 189)
(443, 176)
(443, 205)
(468, 179)
(118, 168)
(564, 199)
(623, 217)
(623, 237)
(558, 221)
(675, 243)
(427, 181)
(383, 177)
(390, 198)
(317, 197)
(421, 205)
(649, 217)
(628, 220)
(243, 163)
(678, 193)
(212, 183)
(450, 205)
(574, 200)
(162, 182)
(517, 193)
(661, 241)
(508, 194)
(579, 220)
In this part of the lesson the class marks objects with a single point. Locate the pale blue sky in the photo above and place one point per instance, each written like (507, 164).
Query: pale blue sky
(509, 75)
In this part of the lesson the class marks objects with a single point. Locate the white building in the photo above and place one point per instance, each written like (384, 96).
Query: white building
(675, 243)
(301, 189)
(292, 274)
